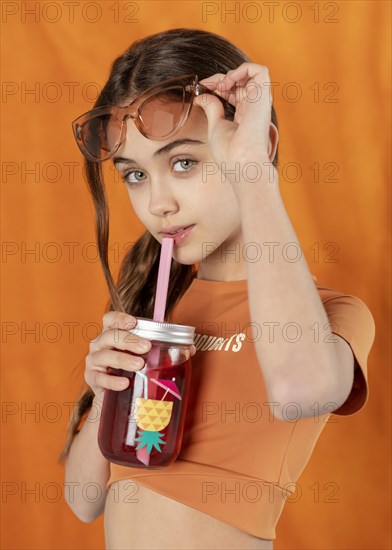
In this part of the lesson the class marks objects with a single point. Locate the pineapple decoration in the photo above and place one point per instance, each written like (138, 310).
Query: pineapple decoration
(154, 415)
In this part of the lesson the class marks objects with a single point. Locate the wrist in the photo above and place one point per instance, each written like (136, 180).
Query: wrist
(96, 407)
(260, 174)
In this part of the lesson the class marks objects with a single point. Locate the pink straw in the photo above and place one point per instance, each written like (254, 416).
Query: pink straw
(159, 315)
(163, 279)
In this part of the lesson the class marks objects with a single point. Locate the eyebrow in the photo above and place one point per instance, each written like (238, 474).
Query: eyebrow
(163, 150)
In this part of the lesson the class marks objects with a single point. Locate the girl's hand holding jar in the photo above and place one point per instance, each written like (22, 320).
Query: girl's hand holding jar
(117, 348)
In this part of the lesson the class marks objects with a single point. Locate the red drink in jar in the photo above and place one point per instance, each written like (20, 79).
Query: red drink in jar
(142, 426)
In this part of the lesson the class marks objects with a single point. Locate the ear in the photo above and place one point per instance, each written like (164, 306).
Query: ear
(273, 141)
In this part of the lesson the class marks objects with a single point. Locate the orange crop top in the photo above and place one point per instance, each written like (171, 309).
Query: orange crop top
(238, 463)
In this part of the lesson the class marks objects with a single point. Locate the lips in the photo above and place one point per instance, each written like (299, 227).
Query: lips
(172, 231)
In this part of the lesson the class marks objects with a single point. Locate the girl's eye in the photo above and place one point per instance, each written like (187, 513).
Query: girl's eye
(128, 181)
(132, 183)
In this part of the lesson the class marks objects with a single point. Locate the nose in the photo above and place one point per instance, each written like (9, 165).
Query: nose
(162, 199)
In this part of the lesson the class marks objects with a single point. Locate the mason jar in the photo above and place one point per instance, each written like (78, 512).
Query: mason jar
(142, 426)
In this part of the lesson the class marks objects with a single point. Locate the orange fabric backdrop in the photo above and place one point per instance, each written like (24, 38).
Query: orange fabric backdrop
(55, 57)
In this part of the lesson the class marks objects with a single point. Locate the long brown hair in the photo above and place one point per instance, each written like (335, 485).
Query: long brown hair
(146, 62)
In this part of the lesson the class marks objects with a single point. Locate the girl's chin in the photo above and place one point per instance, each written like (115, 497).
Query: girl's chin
(183, 258)
(187, 255)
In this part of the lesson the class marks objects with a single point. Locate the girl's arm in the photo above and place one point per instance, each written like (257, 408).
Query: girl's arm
(86, 470)
(297, 366)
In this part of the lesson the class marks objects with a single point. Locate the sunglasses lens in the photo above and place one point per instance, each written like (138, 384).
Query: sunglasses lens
(162, 113)
(159, 116)
(100, 135)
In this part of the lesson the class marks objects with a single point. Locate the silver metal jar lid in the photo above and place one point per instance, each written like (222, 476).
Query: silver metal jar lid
(164, 332)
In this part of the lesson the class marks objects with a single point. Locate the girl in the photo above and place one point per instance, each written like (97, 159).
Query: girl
(250, 426)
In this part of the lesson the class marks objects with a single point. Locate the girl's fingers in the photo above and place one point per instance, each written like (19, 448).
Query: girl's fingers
(245, 72)
(237, 84)
(122, 340)
(213, 80)
(110, 381)
(118, 319)
(116, 359)
(230, 96)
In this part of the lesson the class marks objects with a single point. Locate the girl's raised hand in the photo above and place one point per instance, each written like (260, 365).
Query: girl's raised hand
(117, 348)
(250, 140)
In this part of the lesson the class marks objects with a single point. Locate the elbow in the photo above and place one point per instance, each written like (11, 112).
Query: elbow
(290, 403)
(86, 516)
(290, 408)
(88, 512)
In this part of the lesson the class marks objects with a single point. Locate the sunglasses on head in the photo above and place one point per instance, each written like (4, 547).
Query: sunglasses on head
(158, 113)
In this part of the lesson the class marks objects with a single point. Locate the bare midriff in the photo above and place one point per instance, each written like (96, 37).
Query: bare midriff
(140, 519)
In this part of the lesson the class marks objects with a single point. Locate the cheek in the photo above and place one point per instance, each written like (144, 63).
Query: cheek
(139, 205)
(217, 203)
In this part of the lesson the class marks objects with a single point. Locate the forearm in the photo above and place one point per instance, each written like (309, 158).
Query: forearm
(87, 470)
(291, 325)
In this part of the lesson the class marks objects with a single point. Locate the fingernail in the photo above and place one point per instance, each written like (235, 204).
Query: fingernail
(145, 345)
(129, 320)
